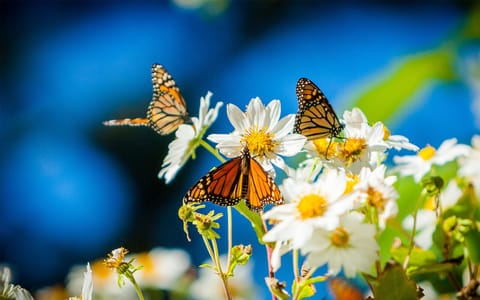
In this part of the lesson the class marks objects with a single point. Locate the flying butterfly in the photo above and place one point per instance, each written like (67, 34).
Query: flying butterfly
(315, 118)
(241, 177)
(167, 110)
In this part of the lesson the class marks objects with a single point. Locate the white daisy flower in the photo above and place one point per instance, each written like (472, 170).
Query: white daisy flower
(9, 290)
(470, 164)
(262, 131)
(162, 268)
(398, 142)
(309, 206)
(307, 170)
(362, 144)
(356, 121)
(350, 246)
(375, 190)
(188, 138)
(420, 164)
(87, 287)
(281, 248)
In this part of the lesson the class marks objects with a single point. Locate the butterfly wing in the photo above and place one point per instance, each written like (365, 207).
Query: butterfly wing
(262, 189)
(239, 178)
(315, 118)
(165, 113)
(167, 110)
(223, 185)
(162, 80)
(127, 122)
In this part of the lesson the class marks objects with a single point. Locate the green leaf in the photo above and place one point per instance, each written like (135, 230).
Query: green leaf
(394, 284)
(405, 78)
(254, 219)
(240, 255)
(307, 287)
(421, 261)
(409, 192)
(472, 242)
(418, 256)
(431, 269)
(316, 279)
(307, 291)
(208, 266)
(466, 207)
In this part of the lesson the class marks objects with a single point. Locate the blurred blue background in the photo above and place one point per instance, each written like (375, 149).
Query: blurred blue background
(71, 190)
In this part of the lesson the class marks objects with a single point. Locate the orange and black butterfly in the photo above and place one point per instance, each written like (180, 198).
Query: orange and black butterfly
(167, 110)
(241, 177)
(315, 118)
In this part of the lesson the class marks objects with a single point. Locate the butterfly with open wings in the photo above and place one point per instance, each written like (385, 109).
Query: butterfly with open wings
(239, 178)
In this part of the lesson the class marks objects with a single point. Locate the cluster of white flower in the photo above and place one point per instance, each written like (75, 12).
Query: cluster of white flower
(334, 199)
(339, 199)
(331, 212)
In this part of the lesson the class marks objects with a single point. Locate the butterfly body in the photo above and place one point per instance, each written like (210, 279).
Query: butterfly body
(315, 118)
(240, 178)
(167, 110)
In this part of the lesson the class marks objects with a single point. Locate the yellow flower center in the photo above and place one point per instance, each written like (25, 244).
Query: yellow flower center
(352, 181)
(259, 141)
(312, 205)
(427, 153)
(340, 237)
(325, 147)
(352, 149)
(375, 199)
(386, 133)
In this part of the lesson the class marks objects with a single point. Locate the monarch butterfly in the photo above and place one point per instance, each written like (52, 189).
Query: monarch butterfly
(167, 110)
(241, 177)
(315, 118)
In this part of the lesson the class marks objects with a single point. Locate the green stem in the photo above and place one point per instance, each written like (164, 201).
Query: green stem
(209, 248)
(412, 242)
(137, 288)
(215, 256)
(222, 275)
(271, 273)
(300, 281)
(295, 265)
(310, 175)
(296, 276)
(211, 150)
(229, 237)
